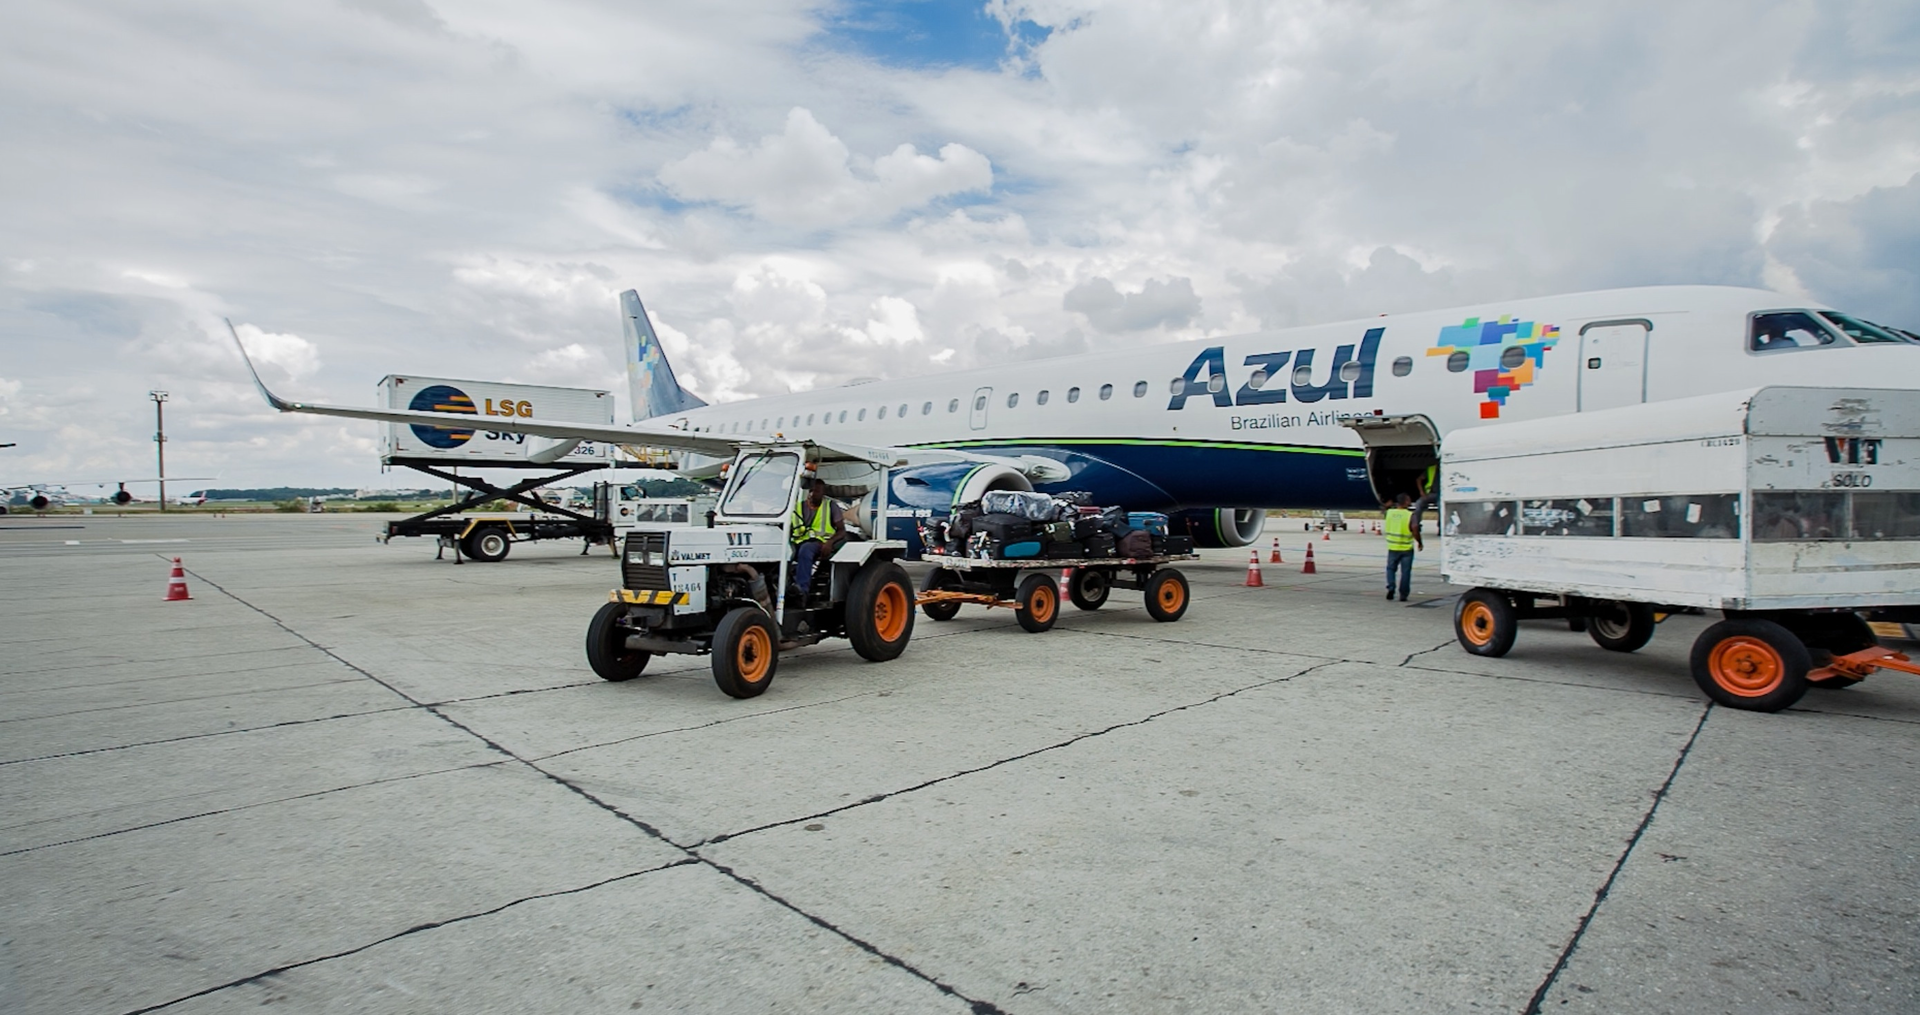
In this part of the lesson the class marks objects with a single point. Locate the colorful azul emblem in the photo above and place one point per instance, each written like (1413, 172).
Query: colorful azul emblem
(1503, 355)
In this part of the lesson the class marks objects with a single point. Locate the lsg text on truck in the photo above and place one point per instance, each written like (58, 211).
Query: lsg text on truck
(726, 590)
(1794, 511)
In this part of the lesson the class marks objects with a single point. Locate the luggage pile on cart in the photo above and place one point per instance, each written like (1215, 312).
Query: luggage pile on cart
(1024, 525)
(983, 546)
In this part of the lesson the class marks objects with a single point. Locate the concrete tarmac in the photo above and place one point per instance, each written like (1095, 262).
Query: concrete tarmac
(347, 777)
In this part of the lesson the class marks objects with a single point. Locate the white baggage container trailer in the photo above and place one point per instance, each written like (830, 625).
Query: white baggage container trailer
(1792, 510)
(403, 444)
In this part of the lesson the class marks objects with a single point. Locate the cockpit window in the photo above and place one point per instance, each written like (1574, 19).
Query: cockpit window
(763, 485)
(1788, 329)
(1859, 330)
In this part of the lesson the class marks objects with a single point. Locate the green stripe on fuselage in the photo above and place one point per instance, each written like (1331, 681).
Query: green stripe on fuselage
(1141, 442)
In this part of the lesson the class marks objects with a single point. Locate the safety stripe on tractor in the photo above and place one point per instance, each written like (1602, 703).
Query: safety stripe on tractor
(648, 598)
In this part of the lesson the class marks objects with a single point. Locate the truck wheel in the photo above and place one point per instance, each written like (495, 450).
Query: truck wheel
(607, 650)
(941, 578)
(1621, 627)
(1484, 623)
(880, 611)
(1037, 602)
(487, 545)
(1089, 588)
(1750, 664)
(745, 653)
(1167, 595)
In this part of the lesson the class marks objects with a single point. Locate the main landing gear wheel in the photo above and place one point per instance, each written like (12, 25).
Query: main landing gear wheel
(1089, 588)
(1751, 664)
(1484, 623)
(1621, 627)
(941, 578)
(607, 650)
(1167, 595)
(486, 545)
(880, 611)
(745, 653)
(1037, 602)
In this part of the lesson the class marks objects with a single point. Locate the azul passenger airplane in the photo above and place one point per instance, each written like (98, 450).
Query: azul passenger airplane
(1217, 430)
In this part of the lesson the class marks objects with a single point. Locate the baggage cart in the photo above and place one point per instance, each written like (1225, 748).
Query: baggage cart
(1794, 511)
(957, 581)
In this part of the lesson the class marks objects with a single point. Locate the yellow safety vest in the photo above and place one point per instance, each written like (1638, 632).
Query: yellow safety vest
(1399, 529)
(820, 527)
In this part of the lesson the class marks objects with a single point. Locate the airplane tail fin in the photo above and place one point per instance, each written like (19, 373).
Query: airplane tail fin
(650, 379)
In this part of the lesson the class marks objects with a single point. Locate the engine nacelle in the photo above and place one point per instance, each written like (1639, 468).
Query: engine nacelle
(930, 491)
(1219, 528)
(39, 502)
(122, 497)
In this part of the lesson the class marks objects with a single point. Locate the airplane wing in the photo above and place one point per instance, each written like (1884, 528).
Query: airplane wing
(659, 437)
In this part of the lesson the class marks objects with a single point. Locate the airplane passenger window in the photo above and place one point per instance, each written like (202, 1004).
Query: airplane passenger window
(927, 409)
(1106, 392)
(843, 415)
(883, 412)
(1403, 366)
(953, 405)
(1013, 400)
(1303, 376)
(763, 425)
(862, 417)
(1859, 330)
(809, 419)
(1041, 398)
(1787, 329)
(1350, 371)
(1512, 356)
(1140, 389)
(1458, 361)
(1073, 395)
(979, 403)
(1177, 385)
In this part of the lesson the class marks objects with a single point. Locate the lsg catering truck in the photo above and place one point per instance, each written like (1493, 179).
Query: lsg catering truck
(1793, 511)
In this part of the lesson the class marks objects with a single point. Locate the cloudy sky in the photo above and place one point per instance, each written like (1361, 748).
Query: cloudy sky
(809, 192)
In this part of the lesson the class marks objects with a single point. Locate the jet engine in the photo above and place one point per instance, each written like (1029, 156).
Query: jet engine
(39, 502)
(1218, 528)
(930, 491)
(122, 497)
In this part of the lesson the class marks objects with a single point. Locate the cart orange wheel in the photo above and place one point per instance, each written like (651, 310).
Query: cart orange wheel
(1751, 664)
(1038, 599)
(744, 653)
(1484, 623)
(941, 578)
(1167, 596)
(880, 611)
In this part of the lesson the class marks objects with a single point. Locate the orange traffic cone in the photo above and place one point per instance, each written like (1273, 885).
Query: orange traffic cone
(1066, 579)
(177, 583)
(1326, 534)
(1309, 568)
(1253, 571)
(1276, 552)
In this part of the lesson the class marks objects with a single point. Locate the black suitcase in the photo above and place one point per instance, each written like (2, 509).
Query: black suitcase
(1066, 550)
(1085, 526)
(1180, 544)
(1159, 543)
(1059, 532)
(1100, 544)
(1004, 528)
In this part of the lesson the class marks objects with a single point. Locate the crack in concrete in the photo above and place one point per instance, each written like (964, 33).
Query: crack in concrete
(1069, 742)
(241, 807)
(1424, 651)
(980, 1007)
(1606, 887)
(418, 928)
(203, 736)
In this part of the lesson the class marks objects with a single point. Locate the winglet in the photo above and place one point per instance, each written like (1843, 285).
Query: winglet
(272, 399)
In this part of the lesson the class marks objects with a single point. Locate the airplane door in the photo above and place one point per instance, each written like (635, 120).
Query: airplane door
(1613, 364)
(1401, 453)
(981, 397)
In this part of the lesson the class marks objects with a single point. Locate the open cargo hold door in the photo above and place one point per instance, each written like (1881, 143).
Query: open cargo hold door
(1402, 452)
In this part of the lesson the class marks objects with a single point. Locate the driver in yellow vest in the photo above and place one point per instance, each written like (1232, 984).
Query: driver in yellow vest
(1402, 537)
(815, 534)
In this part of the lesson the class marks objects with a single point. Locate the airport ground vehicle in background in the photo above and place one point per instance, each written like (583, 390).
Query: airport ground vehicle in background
(488, 536)
(726, 590)
(1795, 511)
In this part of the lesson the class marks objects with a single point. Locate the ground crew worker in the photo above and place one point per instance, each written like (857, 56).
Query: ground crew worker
(814, 533)
(1402, 537)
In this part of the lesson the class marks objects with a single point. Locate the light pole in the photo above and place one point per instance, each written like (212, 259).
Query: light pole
(160, 440)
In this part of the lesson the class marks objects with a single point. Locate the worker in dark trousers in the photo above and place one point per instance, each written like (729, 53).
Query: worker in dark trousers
(1402, 538)
(814, 533)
